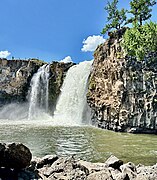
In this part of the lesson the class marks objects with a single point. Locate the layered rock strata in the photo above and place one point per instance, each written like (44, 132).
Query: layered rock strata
(122, 91)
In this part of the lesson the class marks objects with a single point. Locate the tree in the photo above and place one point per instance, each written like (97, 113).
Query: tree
(115, 18)
(141, 41)
(141, 11)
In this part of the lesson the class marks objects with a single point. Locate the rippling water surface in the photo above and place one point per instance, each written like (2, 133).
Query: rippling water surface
(87, 143)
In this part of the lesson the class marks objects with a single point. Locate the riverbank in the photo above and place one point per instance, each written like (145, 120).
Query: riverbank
(52, 167)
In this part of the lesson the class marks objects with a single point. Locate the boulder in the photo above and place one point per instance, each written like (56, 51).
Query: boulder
(101, 175)
(14, 155)
(146, 172)
(129, 169)
(89, 167)
(62, 168)
(2, 149)
(114, 162)
(46, 160)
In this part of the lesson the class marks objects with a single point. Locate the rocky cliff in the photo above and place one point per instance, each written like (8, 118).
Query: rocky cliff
(15, 77)
(57, 74)
(122, 91)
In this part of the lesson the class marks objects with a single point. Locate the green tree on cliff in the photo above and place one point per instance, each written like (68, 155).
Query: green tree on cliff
(141, 11)
(141, 41)
(116, 18)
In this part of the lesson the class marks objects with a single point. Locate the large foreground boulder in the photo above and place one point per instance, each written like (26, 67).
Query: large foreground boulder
(14, 155)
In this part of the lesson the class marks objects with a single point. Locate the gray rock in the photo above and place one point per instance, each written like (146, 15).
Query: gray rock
(122, 176)
(2, 150)
(46, 160)
(147, 172)
(89, 167)
(114, 162)
(49, 171)
(16, 156)
(15, 77)
(63, 168)
(115, 173)
(129, 169)
(101, 175)
(122, 90)
(129, 165)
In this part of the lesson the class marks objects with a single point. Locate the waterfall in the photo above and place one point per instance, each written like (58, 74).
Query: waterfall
(72, 106)
(39, 93)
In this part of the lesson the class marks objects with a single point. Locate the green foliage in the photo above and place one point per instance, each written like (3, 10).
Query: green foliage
(115, 18)
(141, 41)
(141, 10)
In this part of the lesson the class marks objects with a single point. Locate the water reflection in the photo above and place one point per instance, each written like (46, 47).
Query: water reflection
(84, 142)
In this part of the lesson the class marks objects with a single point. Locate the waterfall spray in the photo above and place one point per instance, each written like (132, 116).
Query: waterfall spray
(38, 98)
(72, 107)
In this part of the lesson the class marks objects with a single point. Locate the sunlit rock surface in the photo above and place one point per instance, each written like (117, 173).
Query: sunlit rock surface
(16, 75)
(122, 91)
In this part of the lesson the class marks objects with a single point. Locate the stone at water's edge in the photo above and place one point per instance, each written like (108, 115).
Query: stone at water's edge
(114, 162)
(15, 159)
(14, 155)
(122, 91)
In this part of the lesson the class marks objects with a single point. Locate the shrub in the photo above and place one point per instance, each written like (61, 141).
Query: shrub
(141, 41)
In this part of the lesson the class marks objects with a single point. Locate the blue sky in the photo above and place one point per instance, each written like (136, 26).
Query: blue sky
(51, 29)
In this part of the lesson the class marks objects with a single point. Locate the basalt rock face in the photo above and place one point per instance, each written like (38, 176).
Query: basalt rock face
(57, 74)
(122, 90)
(15, 76)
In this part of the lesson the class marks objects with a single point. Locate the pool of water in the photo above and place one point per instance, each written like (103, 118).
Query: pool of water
(84, 142)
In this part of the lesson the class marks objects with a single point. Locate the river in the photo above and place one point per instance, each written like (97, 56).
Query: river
(85, 142)
(44, 134)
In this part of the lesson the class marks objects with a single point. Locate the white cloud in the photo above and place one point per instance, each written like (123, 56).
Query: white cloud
(92, 42)
(4, 54)
(67, 59)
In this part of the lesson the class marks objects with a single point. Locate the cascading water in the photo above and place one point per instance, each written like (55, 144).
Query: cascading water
(72, 106)
(38, 98)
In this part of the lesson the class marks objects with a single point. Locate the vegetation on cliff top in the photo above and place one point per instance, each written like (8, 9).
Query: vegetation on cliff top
(140, 11)
(115, 18)
(140, 41)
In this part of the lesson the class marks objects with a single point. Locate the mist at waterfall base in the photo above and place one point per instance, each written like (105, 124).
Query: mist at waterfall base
(71, 108)
(69, 132)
